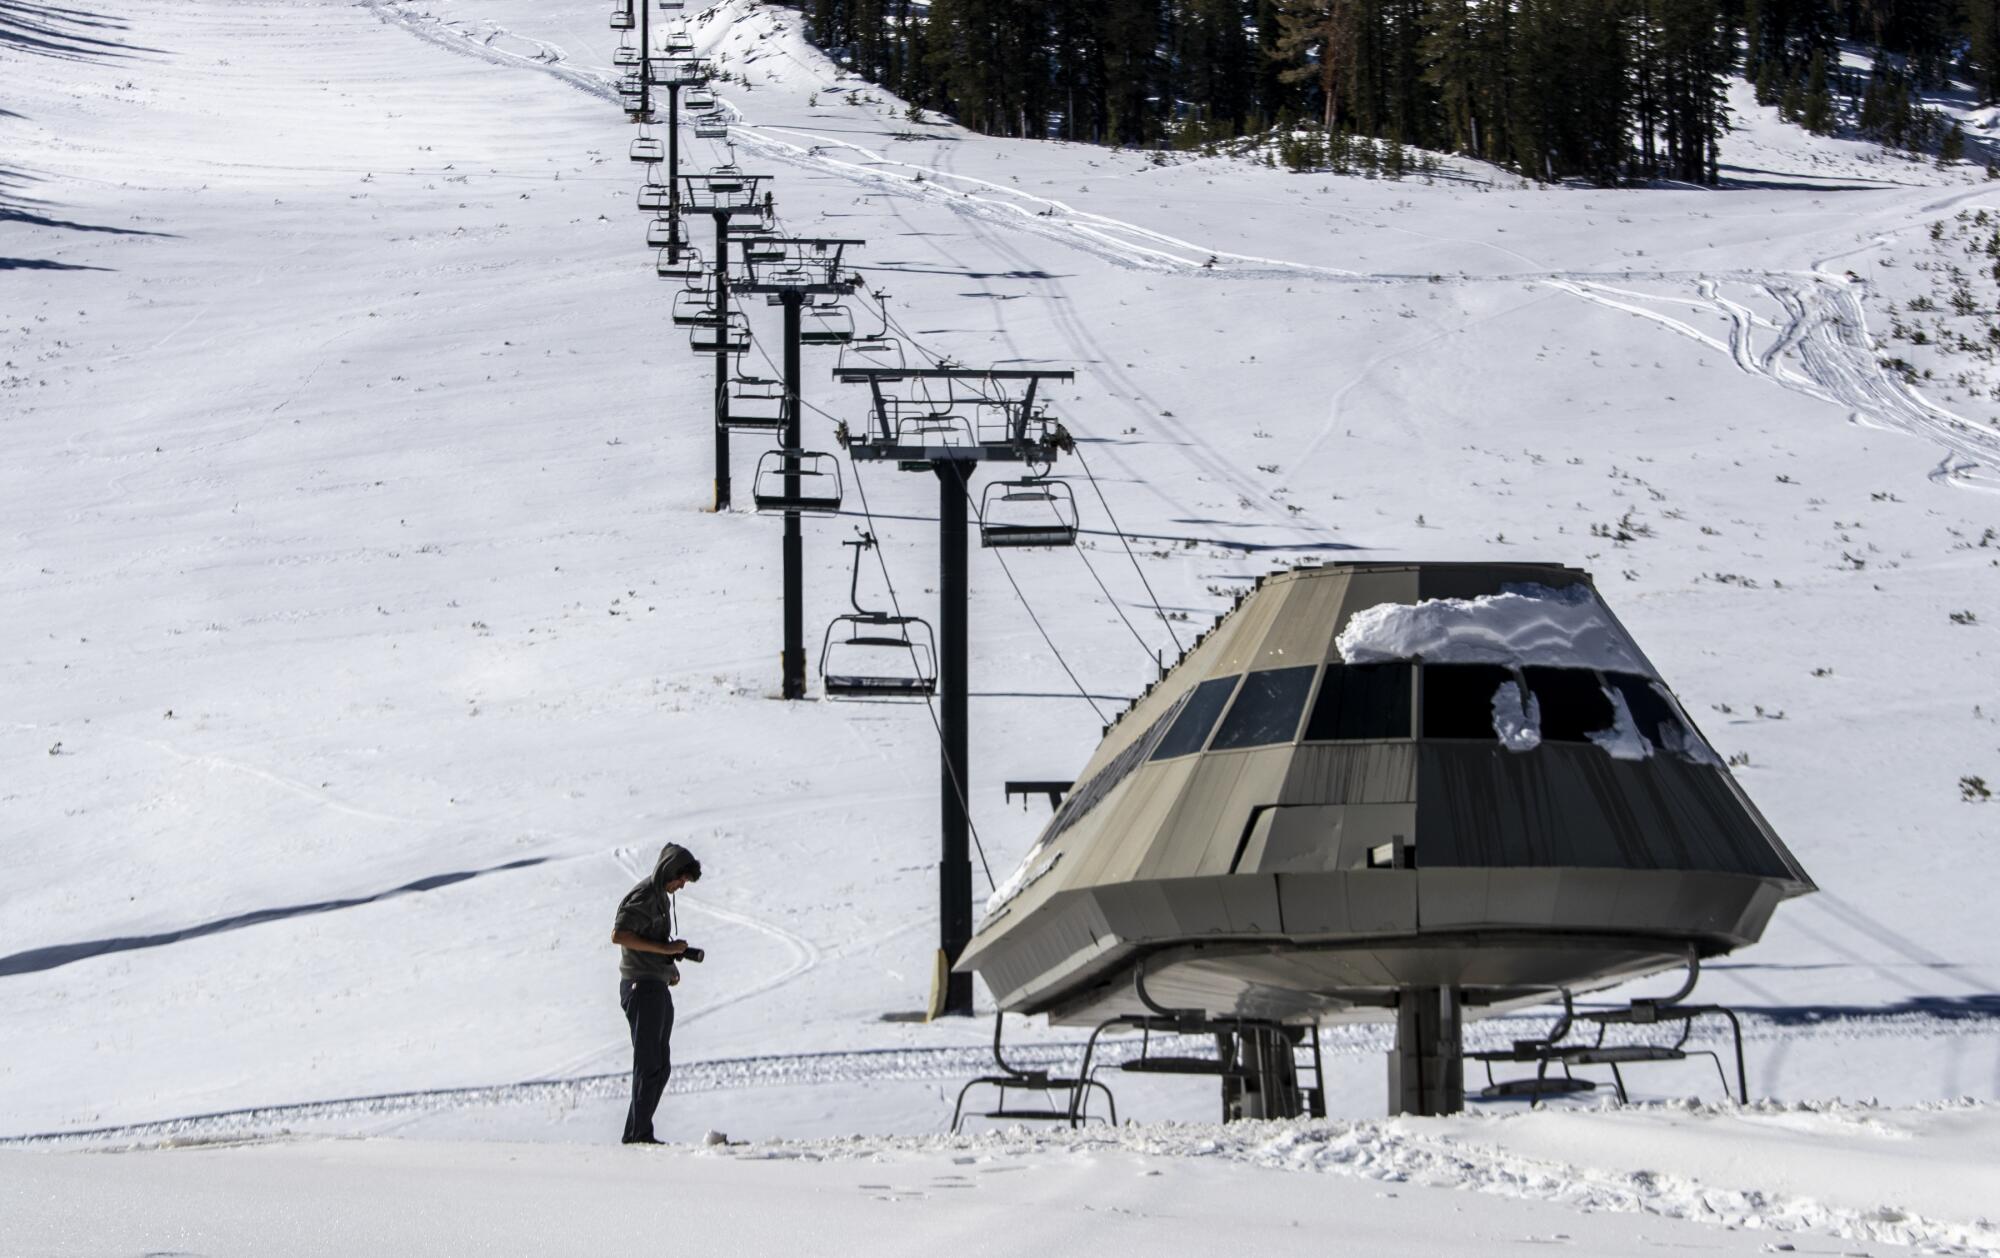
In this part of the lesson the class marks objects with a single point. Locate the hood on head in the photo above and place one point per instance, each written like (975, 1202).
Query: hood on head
(674, 861)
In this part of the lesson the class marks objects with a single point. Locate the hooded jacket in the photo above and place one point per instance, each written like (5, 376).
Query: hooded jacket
(648, 912)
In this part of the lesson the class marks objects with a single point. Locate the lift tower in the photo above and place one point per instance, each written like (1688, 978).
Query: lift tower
(741, 209)
(802, 274)
(947, 421)
(675, 74)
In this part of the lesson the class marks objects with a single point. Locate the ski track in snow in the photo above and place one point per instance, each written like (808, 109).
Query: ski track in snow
(1826, 333)
(1825, 330)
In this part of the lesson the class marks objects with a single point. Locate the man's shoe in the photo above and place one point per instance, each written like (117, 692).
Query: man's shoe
(640, 1140)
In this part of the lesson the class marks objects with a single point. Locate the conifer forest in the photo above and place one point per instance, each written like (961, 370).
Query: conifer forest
(1599, 90)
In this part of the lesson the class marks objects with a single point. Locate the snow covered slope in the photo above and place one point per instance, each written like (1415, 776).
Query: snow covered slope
(367, 634)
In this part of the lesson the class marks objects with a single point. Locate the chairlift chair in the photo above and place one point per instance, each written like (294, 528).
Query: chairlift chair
(661, 231)
(817, 482)
(626, 57)
(694, 308)
(621, 16)
(684, 268)
(756, 403)
(874, 655)
(655, 198)
(716, 337)
(679, 43)
(745, 226)
(673, 6)
(699, 98)
(1032, 511)
(933, 427)
(711, 126)
(648, 149)
(877, 353)
(763, 251)
(826, 325)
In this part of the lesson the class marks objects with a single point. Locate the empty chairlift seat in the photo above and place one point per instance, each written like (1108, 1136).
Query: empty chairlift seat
(699, 98)
(661, 230)
(627, 57)
(621, 17)
(712, 338)
(679, 43)
(805, 481)
(673, 6)
(648, 149)
(825, 325)
(877, 352)
(655, 197)
(756, 403)
(711, 126)
(695, 308)
(685, 268)
(1034, 511)
(875, 655)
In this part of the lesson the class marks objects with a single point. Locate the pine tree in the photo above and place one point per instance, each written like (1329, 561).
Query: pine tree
(1816, 110)
(1982, 35)
(1316, 44)
(1951, 148)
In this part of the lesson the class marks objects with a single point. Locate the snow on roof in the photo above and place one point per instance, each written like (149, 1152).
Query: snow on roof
(1523, 624)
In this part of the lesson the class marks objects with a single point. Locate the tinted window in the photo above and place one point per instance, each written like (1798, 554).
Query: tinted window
(1651, 712)
(1362, 701)
(1190, 730)
(1267, 708)
(1574, 706)
(1458, 699)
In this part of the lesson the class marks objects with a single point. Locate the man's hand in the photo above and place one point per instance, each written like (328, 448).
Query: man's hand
(639, 943)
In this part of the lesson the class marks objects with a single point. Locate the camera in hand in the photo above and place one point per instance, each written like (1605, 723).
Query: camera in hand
(692, 953)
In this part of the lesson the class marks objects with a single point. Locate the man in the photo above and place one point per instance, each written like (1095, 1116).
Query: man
(645, 932)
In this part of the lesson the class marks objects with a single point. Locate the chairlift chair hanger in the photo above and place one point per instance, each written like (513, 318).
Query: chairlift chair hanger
(874, 349)
(875, 655)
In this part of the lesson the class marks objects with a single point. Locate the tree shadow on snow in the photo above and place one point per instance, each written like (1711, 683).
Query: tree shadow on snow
(64, 34)
(35, 960)
(45, 264)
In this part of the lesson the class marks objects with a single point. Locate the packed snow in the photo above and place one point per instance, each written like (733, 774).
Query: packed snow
(1521, 625)
(368, 634)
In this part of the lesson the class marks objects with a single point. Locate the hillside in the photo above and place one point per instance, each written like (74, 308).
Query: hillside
(368, 632)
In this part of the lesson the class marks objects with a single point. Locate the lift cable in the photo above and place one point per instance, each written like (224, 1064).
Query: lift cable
(1081, 689)
(1101, 498)
(1140, 638)
(1106, 502)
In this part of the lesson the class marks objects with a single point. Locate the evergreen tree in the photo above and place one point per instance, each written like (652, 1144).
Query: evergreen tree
(1316, 43)
(1816, 111)
(1982, 37)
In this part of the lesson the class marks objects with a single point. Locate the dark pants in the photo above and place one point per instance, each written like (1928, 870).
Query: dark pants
(649, 1010)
